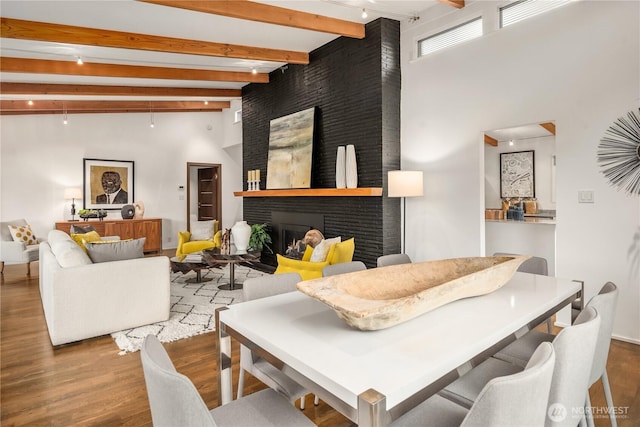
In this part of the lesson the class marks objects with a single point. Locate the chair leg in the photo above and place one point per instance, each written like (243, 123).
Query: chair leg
(549, 326)
(302, 402)
(316, 400)
(587, 408)
(2, 267)
(240, 383)
(29, 269)
(607, 395)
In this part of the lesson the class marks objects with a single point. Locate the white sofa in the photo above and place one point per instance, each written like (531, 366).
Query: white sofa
(82, 299)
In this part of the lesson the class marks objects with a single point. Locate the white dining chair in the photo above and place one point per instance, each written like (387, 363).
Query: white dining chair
(175, 401)
(262, 287)
(574, 348)
(513, 400)
(343, 267)
(393, 259)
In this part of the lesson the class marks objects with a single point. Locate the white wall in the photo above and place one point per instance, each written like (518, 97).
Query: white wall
(579, 66)
(40, 157)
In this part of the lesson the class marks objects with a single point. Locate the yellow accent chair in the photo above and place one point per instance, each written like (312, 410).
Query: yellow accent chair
(188, 246)
(338, 253)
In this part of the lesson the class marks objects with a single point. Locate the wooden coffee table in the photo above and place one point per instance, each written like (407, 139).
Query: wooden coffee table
(213, 257)
(186, 264)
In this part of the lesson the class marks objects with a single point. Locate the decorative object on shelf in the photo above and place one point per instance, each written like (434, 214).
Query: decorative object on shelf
(225, 242)
(139, 210)
(517, 174)
(351, 167)
(241, 231)
(425, 287)
(259, 238)
(619, 154)
(108, 184)
(341, 178)
(73, 194)
(128, 212)
(290, 150)
(405, 184)
(253, 180)
(92, 213)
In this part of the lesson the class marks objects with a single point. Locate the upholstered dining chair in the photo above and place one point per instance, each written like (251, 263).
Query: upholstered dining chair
(261, 287)
(574, 347)
(17, 252)
(175, 401)
(345, 267)
(514, 400)
(605, 303)
(393, 259)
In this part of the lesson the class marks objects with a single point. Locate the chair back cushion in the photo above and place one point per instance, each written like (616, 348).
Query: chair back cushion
(173, 398)
(393, 259)
(269, 285)
(518, 399)
(343, 268)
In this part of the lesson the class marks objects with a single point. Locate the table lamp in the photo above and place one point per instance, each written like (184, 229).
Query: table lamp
(73, 194)
(405, 184)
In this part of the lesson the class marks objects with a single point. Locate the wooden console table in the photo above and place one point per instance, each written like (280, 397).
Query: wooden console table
(151, 228)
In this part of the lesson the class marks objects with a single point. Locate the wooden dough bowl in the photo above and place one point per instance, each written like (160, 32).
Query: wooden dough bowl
(382, 297)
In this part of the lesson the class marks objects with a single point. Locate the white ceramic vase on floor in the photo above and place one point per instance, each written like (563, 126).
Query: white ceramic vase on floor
(241, 231)
(351, 167)
(340, 168)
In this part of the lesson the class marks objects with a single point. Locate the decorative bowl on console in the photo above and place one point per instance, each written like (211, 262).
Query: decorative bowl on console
(382, 297)
(85, 214)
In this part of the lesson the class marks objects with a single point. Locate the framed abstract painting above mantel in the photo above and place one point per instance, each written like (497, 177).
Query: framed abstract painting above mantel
(290, 150)
(517, 174)
(107, 184)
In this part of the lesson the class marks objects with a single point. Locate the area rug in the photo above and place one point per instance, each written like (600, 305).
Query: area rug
(192, 309)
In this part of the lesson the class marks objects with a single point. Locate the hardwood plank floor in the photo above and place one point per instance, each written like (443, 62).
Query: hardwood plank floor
(88, 383)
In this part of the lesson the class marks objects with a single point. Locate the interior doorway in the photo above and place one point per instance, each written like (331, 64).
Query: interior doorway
(204, 192)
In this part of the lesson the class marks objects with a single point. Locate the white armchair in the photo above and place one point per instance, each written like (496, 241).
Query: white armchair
(16, 252)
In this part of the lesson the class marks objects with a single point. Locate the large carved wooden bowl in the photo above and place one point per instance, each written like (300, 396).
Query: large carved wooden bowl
(382, 297)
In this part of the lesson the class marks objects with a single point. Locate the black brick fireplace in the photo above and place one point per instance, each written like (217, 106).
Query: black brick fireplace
(355, 85)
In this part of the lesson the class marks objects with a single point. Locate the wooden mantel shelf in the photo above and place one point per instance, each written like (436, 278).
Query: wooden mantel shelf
(312, 192)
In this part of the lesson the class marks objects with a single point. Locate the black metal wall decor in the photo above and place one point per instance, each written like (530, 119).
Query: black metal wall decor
(619, 153)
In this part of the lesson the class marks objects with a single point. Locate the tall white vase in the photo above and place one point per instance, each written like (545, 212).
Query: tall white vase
(241, 231)
(341, 179)
(351, 167)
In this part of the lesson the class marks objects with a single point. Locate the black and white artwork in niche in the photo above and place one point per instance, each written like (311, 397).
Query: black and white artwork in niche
(517, 174)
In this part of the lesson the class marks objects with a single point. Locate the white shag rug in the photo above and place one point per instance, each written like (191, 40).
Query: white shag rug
(192, 309)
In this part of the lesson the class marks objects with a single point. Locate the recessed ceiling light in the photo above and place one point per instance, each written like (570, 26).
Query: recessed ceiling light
(79, 61)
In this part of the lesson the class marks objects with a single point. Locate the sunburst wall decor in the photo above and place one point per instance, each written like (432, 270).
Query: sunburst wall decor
(619, 153)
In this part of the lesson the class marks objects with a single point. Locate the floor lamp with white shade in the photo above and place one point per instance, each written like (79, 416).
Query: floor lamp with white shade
(405, 184)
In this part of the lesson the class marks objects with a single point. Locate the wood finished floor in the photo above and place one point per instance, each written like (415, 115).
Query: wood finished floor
(89, 384)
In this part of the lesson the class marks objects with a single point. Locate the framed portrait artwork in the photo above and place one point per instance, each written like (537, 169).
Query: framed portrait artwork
(517, 174)
(108, 184)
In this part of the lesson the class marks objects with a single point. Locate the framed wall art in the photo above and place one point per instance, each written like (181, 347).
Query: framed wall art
(290, 150)
(517, 174)
(108, 184)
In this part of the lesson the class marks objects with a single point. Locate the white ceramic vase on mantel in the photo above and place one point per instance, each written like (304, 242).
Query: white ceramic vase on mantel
(341, 179)
(351, 167)
(241, 232)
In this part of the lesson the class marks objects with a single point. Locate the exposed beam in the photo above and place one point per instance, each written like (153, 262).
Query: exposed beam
(458, 4)
(19, 113)
(76, 106)
(490, 141)
(96, 90)
(261, 12)
(41, 66)
(551, 127)
(42, 31)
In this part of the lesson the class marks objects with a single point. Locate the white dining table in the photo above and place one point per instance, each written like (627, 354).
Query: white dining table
(373, 377)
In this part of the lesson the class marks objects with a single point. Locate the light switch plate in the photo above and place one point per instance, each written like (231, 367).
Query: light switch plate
(586, 196)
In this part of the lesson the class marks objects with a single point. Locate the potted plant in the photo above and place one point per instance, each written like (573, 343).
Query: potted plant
(259, 238)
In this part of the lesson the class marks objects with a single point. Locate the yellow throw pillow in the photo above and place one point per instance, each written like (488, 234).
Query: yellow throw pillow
(84, 238)
(342, 252)
(23, 234)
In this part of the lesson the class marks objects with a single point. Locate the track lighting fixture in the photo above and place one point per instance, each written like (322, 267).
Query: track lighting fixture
(364, 14)
(206, 102)
(30, 102)
(64, 115)
(79, 61)
(511, 143)
(254, 71)
(152, 124)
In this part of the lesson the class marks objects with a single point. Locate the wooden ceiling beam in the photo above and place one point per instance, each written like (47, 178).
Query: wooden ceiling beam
(260, 12)
(42, 31)
(99, 90)
(42, 66)
(19, 113)
(458, 4)
(74, 106)
(550, 127)
(489, 140)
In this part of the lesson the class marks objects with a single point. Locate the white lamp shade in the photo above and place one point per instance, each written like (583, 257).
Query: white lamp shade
(405, 184)
(72, 193)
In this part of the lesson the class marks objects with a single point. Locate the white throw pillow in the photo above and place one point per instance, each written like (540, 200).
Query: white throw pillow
(23, 234)
(202, 230)
(321, 250)
(69, 254)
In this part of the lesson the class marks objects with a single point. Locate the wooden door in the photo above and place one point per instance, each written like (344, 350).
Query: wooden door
(206, 194)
